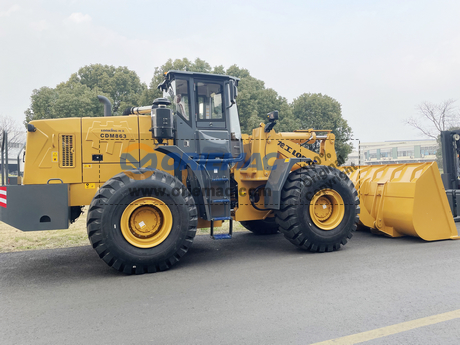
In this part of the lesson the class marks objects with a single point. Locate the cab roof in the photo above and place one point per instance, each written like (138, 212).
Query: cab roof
(173, 73)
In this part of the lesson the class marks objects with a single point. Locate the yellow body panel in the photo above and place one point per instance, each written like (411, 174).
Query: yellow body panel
(404, 199)
(80, 194)
(44, 153)
(207, 224)
(245, 211)
(262, 149)
(100, 172)
(110, 138)
(51, 156)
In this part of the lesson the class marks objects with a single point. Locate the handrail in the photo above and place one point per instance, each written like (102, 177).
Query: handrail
(4, 149)
(208, 197)
(3, 159)
(54, 179)
(238, 159)
(19, 160)
(6, 159)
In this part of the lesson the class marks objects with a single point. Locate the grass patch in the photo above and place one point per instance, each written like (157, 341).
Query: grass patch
(13, 240)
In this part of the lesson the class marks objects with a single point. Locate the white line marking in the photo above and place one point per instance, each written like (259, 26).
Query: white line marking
(389, 330)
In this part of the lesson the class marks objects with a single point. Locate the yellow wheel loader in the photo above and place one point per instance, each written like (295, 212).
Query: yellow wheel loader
(154, 175)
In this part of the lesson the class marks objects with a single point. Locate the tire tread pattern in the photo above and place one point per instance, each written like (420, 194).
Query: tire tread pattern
(94, 224)
(287, 218)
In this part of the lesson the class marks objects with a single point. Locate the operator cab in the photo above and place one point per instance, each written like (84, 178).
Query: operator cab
(205, 113)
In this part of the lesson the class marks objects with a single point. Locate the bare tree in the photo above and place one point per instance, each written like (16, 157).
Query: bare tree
(14, 130)
(434, 118)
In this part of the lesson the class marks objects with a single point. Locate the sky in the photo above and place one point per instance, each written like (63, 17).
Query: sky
(379, 59)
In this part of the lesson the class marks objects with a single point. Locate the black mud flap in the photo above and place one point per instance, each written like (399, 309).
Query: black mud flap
(35, 207)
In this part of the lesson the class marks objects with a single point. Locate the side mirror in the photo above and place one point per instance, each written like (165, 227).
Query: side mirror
(273, 116)
(233, 92)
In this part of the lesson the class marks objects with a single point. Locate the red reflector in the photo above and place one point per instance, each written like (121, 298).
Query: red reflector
(3, 197)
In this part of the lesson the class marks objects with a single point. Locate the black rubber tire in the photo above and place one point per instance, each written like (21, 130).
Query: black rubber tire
(294, 218)
(261, 227)
(106, 209)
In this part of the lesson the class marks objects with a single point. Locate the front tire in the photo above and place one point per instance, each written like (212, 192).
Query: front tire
(319, 209)
(142, 221)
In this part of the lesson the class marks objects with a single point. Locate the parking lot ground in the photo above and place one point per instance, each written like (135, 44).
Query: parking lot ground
(248, 290)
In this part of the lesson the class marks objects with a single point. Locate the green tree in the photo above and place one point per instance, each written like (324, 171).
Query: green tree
(77, 97)
(319, 111)
(121, 84)
(255, 102)
(269, 100)
(42, 104)
(152, 93)
(218, 70)
(248, 93)
(74, 100)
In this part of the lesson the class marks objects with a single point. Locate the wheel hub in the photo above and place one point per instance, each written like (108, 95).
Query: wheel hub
(323, 208)
(327, 209)
(146, 222)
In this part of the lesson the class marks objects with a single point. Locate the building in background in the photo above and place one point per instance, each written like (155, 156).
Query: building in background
(15, 154)
(393, 152)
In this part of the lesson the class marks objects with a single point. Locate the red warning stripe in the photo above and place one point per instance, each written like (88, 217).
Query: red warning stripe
(3, 197)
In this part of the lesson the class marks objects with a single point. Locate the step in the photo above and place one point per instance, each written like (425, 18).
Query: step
(222, 218)
(220, 201)
(220, 179)
(222, 237)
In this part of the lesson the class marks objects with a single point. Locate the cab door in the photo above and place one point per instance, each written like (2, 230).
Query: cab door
(212, 135)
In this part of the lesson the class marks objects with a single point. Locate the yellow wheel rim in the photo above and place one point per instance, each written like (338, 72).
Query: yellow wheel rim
(146, 222)
(327, 209)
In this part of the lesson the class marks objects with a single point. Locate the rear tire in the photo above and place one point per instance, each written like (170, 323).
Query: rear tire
(142, 221)
(319, 209)
(261, 227)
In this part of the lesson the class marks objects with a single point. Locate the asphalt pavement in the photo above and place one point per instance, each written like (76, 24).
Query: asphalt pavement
(248, 290)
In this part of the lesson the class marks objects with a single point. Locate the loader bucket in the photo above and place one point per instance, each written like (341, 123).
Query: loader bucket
(403, 199)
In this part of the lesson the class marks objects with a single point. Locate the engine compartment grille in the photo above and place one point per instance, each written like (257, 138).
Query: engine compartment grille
(67, 150)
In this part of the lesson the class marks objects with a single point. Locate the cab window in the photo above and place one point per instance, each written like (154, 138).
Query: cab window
(178, 94)
(209, 101)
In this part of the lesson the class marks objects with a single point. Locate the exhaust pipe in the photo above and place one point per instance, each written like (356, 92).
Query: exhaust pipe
(107, 105)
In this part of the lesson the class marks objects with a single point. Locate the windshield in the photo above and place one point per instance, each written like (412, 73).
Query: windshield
(178, 95)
